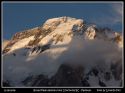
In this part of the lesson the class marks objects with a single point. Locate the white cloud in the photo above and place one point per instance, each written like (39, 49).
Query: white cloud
(111, 16)
(118, 8)
(118, 11)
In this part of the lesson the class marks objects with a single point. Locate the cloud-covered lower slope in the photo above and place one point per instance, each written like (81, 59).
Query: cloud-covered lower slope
(89, 54)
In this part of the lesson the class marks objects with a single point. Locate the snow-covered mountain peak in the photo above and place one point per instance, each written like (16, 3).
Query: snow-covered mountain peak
(62, 21)
(58, 29)
(43, 55)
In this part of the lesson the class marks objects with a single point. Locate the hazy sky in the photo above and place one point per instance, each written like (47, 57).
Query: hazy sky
(21, 16)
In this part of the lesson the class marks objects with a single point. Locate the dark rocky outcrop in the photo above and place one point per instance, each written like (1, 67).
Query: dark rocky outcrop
(116, 69)
(38, 80)
(65, 76)
(68, 76)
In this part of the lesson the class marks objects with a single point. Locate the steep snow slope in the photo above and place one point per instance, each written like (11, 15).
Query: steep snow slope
(64, 40)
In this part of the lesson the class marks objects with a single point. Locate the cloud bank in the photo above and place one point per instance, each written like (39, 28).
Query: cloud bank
(112, 16)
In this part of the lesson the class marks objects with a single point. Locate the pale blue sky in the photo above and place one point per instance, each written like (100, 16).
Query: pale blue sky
(21, 16)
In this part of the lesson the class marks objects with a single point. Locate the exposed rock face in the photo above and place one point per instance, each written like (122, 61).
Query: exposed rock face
(4, 44)
(116, 69)
(25, 34)
(90, 33)
(38, 80)
(65, 76)
(68, 76)
(39, 49)
(119, 39)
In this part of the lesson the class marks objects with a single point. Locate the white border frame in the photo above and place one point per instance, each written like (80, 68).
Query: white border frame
(52, 2)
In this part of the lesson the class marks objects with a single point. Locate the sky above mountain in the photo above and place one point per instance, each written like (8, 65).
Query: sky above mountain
(21, 16)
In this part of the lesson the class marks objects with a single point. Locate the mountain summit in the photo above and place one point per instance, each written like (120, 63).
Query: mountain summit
(64, 51)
